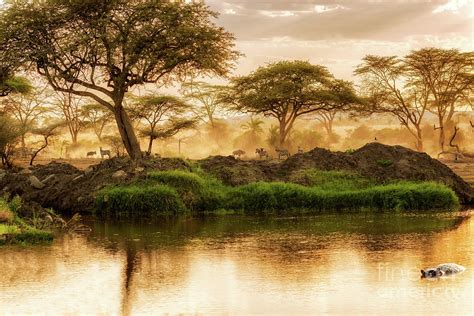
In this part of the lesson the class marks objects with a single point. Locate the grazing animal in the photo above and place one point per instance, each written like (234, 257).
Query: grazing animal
(262, 153)
(442, 270)
(237, 153)
(282, 153)
(104, 152)
(300, 150)
(91, 153)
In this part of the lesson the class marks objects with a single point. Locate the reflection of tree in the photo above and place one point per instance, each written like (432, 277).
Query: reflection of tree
(132, 258)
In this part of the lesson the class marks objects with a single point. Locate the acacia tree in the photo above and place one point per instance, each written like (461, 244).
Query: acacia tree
(97, 117)
(70, 107)
(46, 132)
(207, 97)
(153, 110)
(26, 108)
(448, 77)
(101, 49)
(287, 90)
(13, 84)
(387, 85)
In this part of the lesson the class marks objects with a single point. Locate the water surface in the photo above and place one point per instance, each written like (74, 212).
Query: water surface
(337, 264)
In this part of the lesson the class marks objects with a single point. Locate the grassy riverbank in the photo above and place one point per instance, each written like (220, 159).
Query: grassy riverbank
(14, 230)
(309, 191)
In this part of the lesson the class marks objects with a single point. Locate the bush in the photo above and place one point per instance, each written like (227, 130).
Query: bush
(283, 196)
(178, 179)
(169, 192)
(16, 231)
(198, 193)
(139, 200)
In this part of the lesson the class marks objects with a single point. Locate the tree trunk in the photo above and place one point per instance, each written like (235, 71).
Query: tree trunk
(127, 133)
(419, 140)
(74, 136)
(442, 136)
(150, 145)
(23, 142)
(282, 138)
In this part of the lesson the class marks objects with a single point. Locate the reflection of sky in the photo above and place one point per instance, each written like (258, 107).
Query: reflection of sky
(282, 269)
(339, 33)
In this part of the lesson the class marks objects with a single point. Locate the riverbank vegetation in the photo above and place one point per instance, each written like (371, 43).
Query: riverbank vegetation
(315, 191)
(14, 230)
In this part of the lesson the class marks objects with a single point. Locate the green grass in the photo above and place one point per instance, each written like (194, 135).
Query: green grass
(17, 231)
(175, 192)
(139, 200)
(263, 196)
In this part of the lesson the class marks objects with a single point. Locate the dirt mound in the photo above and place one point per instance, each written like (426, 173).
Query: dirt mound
(232, 171)
(376, 161)
(319, 158)
(383, 163)
(68, 189)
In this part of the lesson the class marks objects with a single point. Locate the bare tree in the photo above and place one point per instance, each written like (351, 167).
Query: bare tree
(447, 76)
(97, 117)
(70, 107)
(386, 86)
(46, 132)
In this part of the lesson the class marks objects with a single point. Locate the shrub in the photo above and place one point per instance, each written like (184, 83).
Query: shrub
(178, 179)
(140, 200)
(283, 196)
(175, 191)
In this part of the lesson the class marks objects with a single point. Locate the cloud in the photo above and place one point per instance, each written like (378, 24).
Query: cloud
(275, 14)
(319, 8)
(452, 6)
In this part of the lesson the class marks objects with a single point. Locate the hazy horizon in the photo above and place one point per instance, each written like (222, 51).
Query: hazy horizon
(337, 34)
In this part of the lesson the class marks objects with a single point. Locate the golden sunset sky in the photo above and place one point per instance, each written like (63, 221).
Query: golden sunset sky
(339, 33)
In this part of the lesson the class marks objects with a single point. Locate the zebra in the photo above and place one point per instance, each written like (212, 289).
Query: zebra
(262, 153)
(104, 152)
(237, 153)
(282, 153)
(91, 153)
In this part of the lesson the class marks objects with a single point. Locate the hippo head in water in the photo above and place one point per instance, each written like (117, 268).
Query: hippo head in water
(431, 273)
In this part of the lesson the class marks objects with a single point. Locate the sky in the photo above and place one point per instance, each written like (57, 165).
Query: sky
(338, 33)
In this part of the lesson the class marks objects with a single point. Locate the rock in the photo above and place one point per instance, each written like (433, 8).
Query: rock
(48, 178)
(78, 177)
(139, 169)
(25, 172)
(120, 174)
(36, 183)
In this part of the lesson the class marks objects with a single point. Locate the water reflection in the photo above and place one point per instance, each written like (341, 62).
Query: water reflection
(341, 264)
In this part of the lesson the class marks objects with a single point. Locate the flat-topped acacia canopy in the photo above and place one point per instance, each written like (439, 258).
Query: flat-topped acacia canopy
(100, 49)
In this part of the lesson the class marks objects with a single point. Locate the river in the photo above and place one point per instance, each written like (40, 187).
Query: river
(334, 264)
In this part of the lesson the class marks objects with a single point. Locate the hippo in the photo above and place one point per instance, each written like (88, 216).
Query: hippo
(443, 269)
